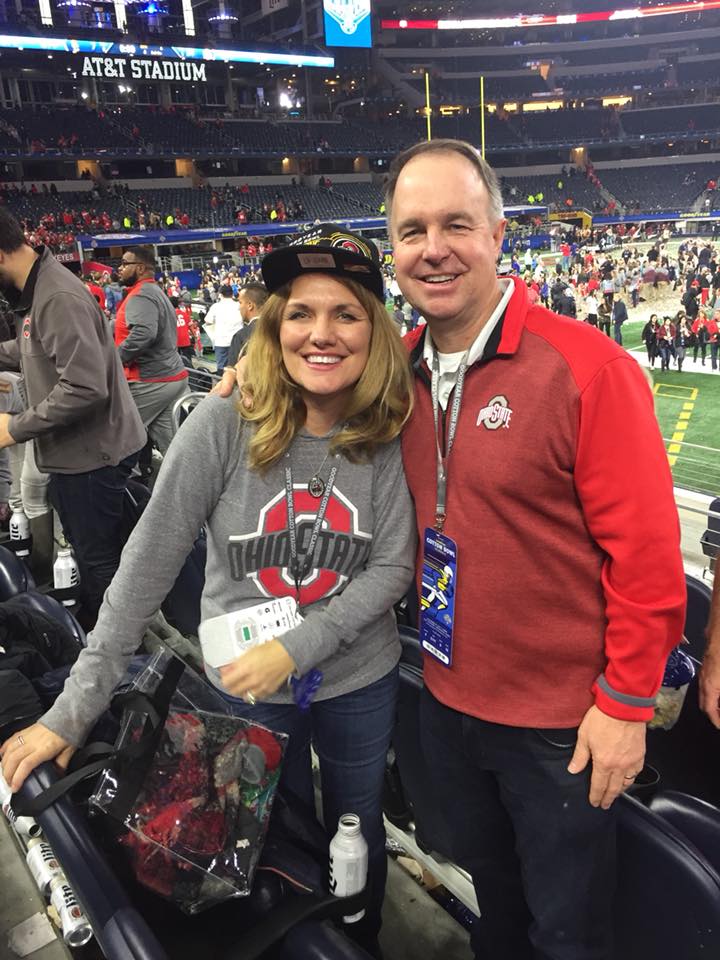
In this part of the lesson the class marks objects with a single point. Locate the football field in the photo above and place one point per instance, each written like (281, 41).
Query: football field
(688, 410)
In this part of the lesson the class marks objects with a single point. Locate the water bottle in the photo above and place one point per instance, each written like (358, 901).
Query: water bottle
(20, 530)
(65, 572)
(348, 861)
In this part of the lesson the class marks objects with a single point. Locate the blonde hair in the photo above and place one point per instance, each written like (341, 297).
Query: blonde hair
(376, 411)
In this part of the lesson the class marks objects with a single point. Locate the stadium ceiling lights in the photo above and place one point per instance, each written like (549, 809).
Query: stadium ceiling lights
(550, 20)
(118, 49)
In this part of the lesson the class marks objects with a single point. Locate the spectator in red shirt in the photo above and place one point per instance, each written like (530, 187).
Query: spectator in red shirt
(96, 290)
(184, 320)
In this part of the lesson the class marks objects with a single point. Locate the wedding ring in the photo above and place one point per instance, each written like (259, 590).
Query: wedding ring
(251, 698)
(21, 740)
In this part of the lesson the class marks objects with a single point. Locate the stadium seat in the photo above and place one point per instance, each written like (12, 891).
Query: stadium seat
(184, 407)
(432, 826)
(668, 902)
(668, 897)
(697, 820)
(14, 575)
(699, 596)
(52, 608)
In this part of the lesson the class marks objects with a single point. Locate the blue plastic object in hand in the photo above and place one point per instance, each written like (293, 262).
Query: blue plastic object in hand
(305, 687)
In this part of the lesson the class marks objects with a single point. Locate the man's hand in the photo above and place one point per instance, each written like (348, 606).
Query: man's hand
(233, 377)
(30, 747)
(616, 749)
(225, 385)
(709, 686)
(258, 673)
(6, 439)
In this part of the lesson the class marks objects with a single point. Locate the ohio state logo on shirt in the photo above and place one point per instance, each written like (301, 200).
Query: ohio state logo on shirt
(264, 556)
(495, 414)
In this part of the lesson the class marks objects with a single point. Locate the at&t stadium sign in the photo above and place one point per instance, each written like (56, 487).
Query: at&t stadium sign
(117, 68)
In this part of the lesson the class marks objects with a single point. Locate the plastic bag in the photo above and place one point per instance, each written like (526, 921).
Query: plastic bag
(196, 825)
(679, 671)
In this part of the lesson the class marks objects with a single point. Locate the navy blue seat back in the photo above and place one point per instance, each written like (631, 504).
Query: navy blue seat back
(668, 897)
(697, 820)
(432, 826)
(182, 605)
(54, 609)
(681, 755)
(14, 575)
(699, 597)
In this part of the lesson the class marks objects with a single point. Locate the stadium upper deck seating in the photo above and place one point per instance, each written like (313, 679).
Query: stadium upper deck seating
(578, 189)
(673, 187)
(47, 128)
(567, 126)
(599, 83)
(699, 71)
(672, 120)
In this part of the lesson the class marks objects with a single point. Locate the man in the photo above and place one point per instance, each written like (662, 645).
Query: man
(85, 427)
(184, 317)
(537, 693)
(619, 316)
(224, 320)
(146, 338)
(251, 300)
(713, 333)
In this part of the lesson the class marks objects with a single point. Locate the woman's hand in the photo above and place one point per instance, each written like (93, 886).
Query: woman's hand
(258, 673)
(30, 747)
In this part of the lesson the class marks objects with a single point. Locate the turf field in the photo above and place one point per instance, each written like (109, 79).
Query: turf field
(688, 410)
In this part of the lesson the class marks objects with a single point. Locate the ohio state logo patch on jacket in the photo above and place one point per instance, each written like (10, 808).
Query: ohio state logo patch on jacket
(342, 547)
(495, 414)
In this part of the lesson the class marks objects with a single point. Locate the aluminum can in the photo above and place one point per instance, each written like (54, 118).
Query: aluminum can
(24, 826)
(75, 925)
(42, 864)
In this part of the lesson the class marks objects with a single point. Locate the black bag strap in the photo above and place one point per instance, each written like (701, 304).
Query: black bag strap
(131, 762)
(289, 912)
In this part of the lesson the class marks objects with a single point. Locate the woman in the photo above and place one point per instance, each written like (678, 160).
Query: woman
(315, 464)
(682, 338)
(665, 341)
(649, 336)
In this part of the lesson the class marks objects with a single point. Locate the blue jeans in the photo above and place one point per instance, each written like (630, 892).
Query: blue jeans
(351, 735)
(221, 355)
(541, 858)
(90, 508)
(618, 333)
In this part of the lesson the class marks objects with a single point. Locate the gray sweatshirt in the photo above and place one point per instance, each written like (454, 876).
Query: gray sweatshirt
(150, 348)
(79, 409)
(364, 559)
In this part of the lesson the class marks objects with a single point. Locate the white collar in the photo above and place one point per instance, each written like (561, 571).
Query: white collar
(480, 342)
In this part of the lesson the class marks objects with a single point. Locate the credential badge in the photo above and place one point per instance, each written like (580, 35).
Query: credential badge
(496, 414)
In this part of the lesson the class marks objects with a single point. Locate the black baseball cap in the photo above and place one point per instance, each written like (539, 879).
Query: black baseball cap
(326, 248)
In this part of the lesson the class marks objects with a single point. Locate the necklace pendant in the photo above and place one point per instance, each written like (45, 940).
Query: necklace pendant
(316, 487)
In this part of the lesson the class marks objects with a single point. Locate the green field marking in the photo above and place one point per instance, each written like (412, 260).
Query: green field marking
(693, 448)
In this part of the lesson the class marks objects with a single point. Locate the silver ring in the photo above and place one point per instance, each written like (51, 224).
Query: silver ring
(21, 740)
(250, 697)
